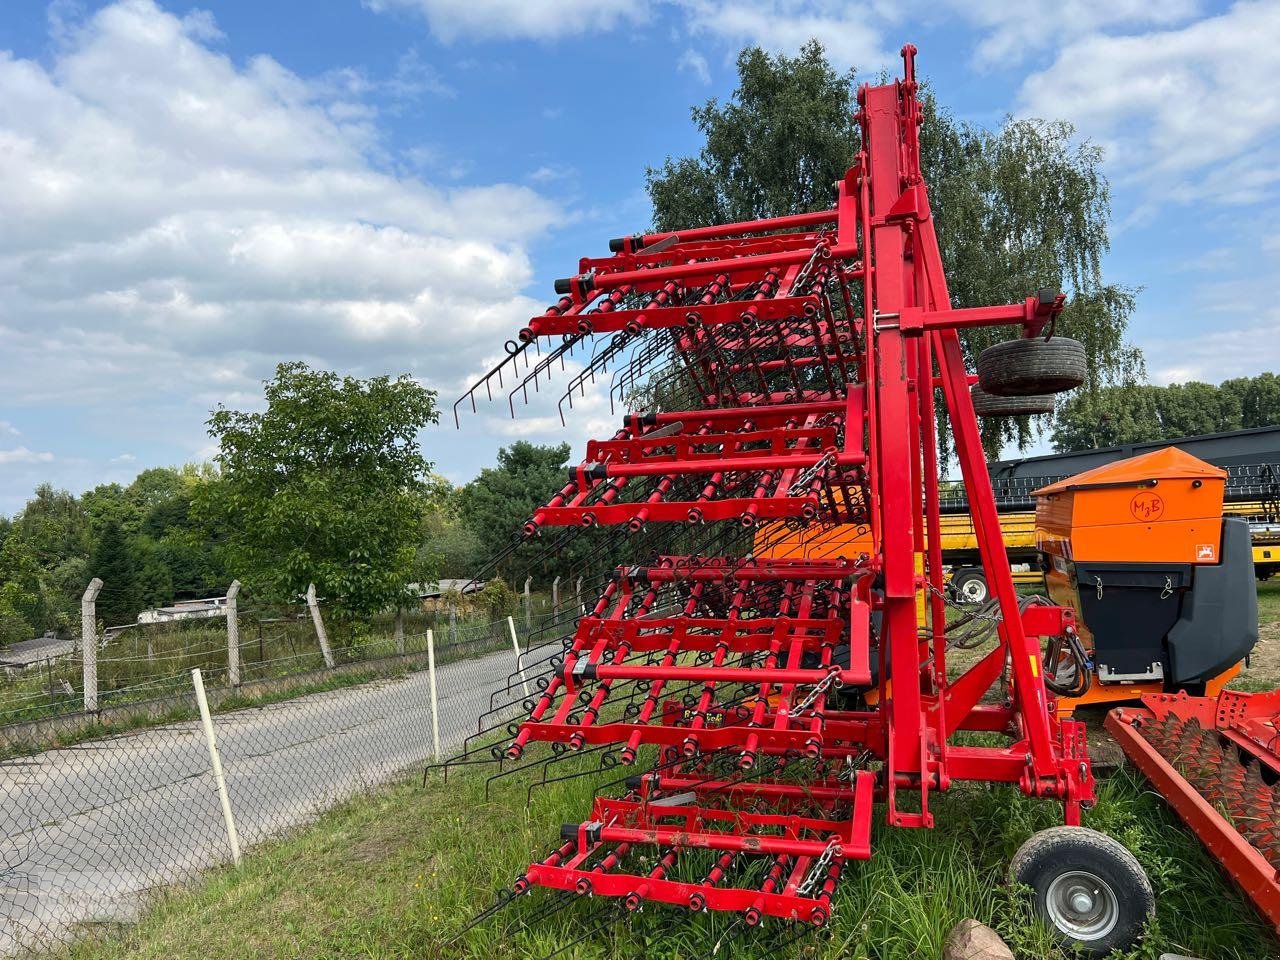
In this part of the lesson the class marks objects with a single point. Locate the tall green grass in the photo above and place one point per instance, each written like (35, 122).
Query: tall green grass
(398, 874)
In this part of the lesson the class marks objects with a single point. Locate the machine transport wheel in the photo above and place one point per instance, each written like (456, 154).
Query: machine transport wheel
(970, 585)
(1023, 368)
(988, 405)
(1089, 889)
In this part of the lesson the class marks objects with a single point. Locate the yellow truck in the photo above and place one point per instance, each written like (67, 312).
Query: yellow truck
(960, 547)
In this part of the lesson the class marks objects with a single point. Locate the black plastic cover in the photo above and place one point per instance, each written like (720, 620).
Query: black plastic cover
(1219, 625)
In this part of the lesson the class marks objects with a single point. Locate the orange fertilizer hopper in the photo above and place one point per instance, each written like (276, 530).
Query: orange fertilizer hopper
(1161, 583)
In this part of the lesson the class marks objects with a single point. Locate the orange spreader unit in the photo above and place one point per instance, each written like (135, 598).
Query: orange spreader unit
(1161, 583)
(1168, 500)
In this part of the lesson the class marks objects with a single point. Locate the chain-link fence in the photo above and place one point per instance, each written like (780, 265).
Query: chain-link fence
(95, 821)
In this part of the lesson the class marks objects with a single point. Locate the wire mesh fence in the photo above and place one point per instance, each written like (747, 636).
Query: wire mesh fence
(98, 813)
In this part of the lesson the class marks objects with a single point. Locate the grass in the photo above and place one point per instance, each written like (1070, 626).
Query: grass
(397, 874)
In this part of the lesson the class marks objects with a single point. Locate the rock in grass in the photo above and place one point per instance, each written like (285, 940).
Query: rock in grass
(971, 940)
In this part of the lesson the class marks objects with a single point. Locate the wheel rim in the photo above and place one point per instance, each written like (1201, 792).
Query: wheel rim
(1082, 905)
(973, 591)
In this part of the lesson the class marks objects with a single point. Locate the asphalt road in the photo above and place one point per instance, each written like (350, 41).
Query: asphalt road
(89, 830)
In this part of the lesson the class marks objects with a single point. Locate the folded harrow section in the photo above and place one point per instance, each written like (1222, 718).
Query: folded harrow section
(781, 377)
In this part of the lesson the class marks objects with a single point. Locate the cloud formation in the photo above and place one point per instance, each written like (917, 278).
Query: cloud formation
(175, 223)
(1192, 112)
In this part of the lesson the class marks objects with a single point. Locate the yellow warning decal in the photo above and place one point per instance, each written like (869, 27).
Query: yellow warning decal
(1035, 665)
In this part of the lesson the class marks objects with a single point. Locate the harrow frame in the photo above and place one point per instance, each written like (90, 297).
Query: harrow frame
(784, 697)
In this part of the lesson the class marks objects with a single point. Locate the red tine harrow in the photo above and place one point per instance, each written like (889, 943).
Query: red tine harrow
(785, 372)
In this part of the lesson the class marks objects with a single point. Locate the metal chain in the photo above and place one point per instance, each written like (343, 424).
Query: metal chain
(808, 473)
(818, 690)
(819, 869)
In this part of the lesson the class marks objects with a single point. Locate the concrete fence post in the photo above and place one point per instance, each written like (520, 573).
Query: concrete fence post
(435, 696)
(453, 625)
(555, 595)
(215, 763)
(399, 629)
(515, 645)
(577, 593)
(314, 606)
(88, 643)
(233, 634)
(528, 602)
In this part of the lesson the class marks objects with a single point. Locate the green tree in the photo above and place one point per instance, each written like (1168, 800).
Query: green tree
(114, 562)
(22, 607)
(775, 148)
(54, 526)
(1137, 413)
(449, 546)
(1259, 399)
(496, 503)
(325, 486)
(1017, 208)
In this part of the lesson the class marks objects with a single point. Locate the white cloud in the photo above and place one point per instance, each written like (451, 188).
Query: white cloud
(8, 429)
(23, 455)
(852, 33)
(1193, 112)
(176, 224)
(537, 19)
(551, 172)
(1015, 32)
(691, 61)
(124, 458)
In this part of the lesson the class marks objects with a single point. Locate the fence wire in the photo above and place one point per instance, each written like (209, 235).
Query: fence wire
(94, 823)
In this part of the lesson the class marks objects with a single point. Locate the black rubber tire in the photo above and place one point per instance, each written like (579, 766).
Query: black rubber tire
(966, 577)
(1062, 852)
(1024, 368)
(987, 405)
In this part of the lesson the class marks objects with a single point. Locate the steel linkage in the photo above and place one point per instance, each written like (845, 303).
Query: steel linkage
(769, 687)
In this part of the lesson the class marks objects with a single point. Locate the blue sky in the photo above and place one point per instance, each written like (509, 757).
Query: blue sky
(191, 193)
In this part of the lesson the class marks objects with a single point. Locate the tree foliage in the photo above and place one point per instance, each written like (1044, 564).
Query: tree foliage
(497, 502)
(325, 486)
(115, 563)
(1018, 208)
(1138, 413)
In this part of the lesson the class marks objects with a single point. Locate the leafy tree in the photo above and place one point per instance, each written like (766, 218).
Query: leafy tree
(1017, 208)
(54, 526)
(114, 562)
(449, 546)
(501, 498)
(776, 148)
(1259, 399)
(325, 486)
(1137, 413)
(110, 503)
(22, 610)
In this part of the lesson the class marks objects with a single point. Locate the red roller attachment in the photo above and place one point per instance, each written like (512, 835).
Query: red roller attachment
(554, 860)
(1191, 749)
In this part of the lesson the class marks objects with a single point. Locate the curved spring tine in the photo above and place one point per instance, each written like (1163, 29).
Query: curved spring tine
(566, 348)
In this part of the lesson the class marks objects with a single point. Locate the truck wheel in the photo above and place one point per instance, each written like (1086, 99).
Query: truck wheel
(1022, 368)
(970, 585)
(989, 405)
(1090, 890)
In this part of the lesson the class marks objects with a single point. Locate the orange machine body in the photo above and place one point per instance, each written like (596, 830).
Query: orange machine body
(1136, 548)
(1166, 504)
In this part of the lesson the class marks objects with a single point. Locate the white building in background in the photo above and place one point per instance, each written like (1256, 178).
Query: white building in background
(209, 609)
